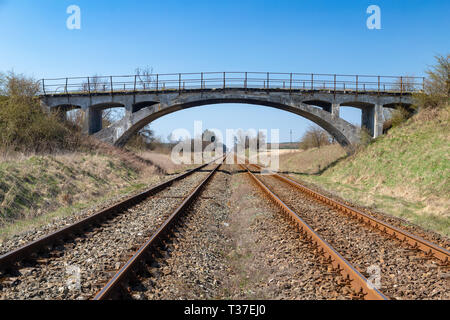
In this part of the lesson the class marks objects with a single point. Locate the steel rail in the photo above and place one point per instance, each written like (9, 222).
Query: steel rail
(429, 248)
(115, 284)
(357, 281)
(8, 259)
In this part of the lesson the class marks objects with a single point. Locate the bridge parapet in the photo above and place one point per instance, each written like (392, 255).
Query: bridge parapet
(223, 80)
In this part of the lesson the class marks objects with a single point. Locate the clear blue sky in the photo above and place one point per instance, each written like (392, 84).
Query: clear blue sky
(318, 36)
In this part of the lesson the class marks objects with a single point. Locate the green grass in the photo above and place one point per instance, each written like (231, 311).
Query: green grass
(405, 173)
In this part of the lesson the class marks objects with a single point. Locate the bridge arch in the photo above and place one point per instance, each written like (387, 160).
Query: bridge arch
(66, 107)
(143, 104)
(107, 105)
(63, 110)
(406, 106)
(320, 103)
(119, 133)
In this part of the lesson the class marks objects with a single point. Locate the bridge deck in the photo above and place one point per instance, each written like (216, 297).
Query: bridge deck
(165, 91)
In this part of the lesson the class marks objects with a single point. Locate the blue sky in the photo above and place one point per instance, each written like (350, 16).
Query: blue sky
(192, 36)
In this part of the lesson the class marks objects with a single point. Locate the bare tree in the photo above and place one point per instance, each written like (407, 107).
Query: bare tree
(143, 140)
(248, 139)
(314, 137)
(144, 76)
(260, 140)
(406, 83)
(437, 85)
(76, 117)
(95, 83)
(209, 136)
(242, 138)
(147, 134)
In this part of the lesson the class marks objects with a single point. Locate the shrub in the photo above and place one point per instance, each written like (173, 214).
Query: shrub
(436, 92)
(365, 137)
(24, 125)
(399, 115)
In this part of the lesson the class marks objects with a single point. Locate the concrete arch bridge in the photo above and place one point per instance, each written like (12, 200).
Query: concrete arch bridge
(317, 97)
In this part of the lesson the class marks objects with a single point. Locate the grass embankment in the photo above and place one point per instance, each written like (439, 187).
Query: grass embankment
(405, 173)
(38, 188)
(311, 161)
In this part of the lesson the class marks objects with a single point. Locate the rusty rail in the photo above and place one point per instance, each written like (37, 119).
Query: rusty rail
(8, 259)
(113, 287)
(357, 281)
(430, 249)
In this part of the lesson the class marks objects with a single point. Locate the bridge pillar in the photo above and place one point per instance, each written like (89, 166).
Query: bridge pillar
(92, 121)
(129, 109)
(368, 119)
(335, 110)
(379, 120)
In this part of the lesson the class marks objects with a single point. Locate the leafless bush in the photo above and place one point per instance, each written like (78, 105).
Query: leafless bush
(94, 84)
(76, 117)
(143, 140)
(314, 137)
(247, 139)
(406, 84)
(144, 77)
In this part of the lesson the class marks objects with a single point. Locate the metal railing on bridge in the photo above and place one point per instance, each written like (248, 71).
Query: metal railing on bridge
(224, 80)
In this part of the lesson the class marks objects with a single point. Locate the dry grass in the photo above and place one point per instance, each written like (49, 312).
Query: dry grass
(132, 159)
(37, 187)
(246, 273)
(32, 186)
(164, 162)
(311, 161)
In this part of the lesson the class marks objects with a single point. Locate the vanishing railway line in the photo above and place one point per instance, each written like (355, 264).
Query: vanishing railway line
(116, 247)
(409, 267)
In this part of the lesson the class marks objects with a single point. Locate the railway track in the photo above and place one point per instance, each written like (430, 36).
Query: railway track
(430, 249)
(409, 267)
(95, 247)
(113, 251)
